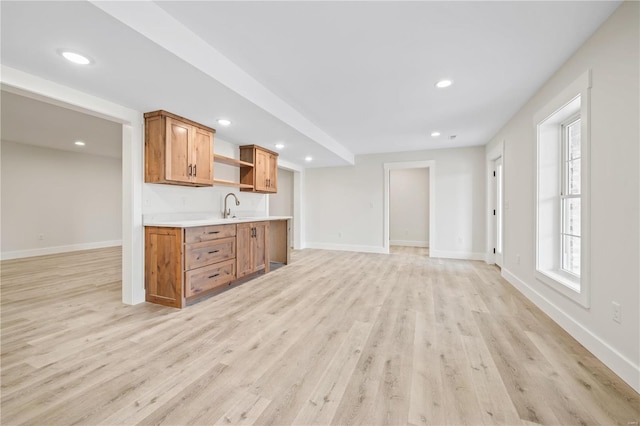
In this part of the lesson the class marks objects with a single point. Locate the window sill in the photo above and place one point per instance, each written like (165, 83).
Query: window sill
(564, 284)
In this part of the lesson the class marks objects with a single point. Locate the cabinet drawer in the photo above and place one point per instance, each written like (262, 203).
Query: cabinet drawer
(208, 252)
(209, 277)
(208, 233)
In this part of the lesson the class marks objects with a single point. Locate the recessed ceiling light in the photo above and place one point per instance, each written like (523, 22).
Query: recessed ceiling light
(79, 143)
(223, 122)
(443, 83)
(279, 145)
(435, 134)
(74, 57)
(308, 158)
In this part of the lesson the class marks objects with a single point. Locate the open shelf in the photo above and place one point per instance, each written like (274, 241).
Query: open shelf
(231, 161)
(230, 183)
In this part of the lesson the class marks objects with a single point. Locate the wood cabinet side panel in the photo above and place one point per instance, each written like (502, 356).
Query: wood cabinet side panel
(163, 266)
(154, 149)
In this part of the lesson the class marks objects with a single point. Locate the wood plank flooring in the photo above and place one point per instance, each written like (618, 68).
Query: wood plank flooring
(332, 338)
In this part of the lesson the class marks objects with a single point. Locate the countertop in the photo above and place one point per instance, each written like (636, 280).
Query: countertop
(186, 221)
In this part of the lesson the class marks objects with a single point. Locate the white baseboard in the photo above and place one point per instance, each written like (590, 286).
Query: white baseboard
(346, 247)
(409, 243)
(463, 255)
(18, 254)
(622, 366)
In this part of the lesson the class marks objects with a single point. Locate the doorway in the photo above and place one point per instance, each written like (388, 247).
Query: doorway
(409, 207)
(498, 213)
(132, 165)
(430, 165)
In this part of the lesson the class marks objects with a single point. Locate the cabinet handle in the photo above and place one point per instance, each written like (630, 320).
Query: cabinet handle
(189, 172)
(213, 232)
(213, 276)
(195, 170)
(215, 251)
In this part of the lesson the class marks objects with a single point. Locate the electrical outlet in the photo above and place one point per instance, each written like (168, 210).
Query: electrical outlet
(41, 236)
(616, 312)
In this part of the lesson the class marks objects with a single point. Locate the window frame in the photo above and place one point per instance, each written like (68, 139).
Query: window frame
(565, 192)
(549, 180)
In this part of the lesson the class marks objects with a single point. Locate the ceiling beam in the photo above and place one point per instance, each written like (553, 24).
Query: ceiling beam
(157, 25)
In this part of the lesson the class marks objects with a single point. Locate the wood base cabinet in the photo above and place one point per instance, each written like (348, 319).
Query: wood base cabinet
(253, 248)
(185, 264)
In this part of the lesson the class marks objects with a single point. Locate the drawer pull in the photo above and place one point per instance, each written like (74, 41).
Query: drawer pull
(214, 275)
(215, 251)
(213, 232)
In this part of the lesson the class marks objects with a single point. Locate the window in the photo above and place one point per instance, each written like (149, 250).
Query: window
(570, 197)
(562, 172)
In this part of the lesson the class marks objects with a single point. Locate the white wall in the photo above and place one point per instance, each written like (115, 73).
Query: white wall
(344, 205)
(612, 54)
(73, 200)
(161, 199)
(409, 207)
(281, 203)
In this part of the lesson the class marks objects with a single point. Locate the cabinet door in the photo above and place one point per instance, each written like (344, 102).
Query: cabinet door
(244, 249)
(273, 173)
(261, 170)
(261, 246)
(163, 266)
(178, 146)
(202, 157)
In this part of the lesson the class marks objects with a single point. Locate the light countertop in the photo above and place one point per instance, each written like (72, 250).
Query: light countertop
(186, 221)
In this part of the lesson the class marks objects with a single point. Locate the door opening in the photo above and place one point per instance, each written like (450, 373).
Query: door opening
(498, 210)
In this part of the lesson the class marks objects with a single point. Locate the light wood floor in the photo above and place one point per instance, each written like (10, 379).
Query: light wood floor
(333, 338)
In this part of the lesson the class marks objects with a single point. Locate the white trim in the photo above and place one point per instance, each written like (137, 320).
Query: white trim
(625, 368)
(347, 247)
(19, 254)
(462, 255)
(431, 165)
(132, 163)
(409, 243)
(492, 154)
(579, 88)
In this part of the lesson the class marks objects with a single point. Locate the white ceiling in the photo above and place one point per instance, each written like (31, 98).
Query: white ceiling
(329, 79)
(33, 122)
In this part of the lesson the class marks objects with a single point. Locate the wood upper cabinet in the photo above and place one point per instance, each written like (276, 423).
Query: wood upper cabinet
(252, 253)
(178, 151)
(263, 176)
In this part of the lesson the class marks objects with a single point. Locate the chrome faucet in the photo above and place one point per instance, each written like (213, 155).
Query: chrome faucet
(227, 213)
